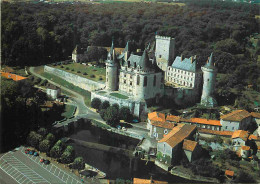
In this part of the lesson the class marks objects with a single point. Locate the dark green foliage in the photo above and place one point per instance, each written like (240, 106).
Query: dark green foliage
(116, 106)
(62, 66)
(226, 154)
(125, 114)
(42, 131)
(92, 76)
(51, 138)
(243, 177)
(111, 116)
(56, 151)
(67, 68)
(95, 103)
(45, 146)
(79, 163)
(34, 139)
(104, 105)
(72, 70)
(85, 73)
(67, 157)
(78, 71)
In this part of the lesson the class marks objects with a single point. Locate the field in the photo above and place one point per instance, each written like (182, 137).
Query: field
(89, 72)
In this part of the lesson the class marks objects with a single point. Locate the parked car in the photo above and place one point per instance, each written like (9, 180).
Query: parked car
(46, 162)
(36, 154)
(123, 128)
(26, 152)
(31, 152)
(27, 149)
(42, 160)
(135, 121)
(118, 127)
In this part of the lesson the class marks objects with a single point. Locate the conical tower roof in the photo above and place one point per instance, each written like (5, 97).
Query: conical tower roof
(145, 64)
(210, 63)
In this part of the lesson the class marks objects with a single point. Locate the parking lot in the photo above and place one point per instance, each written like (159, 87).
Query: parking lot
(25, 168)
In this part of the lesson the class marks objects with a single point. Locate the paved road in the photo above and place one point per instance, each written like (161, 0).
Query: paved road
(18, 167)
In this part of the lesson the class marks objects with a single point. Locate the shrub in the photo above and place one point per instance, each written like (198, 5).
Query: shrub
(78, 71)
(34, 139)
(116, 106)
(37, 80)
(62, 66)
(66, 157)
(51, 138)
(100, 78)
(44, 82)
(67, 68)
(56, 151)
(92, 76)
(125, 113)
(111, 116)
(244, 177)
(104, 105)
(95, 103)
(42, 132)
(85, 73)
(72, 69)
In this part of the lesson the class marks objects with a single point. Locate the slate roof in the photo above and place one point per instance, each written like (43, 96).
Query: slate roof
(237, 115)
(178, 134)
(240, 134)
(189, 145)
(184, 64)
(210, 63)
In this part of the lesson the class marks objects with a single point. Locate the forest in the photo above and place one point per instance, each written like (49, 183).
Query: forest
(36, 34)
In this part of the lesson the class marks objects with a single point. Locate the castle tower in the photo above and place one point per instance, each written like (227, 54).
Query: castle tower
(164, 51)
(111, 70)
(209, 79)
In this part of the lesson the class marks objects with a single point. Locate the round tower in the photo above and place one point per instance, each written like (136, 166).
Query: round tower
(111, 71)
(209, 79)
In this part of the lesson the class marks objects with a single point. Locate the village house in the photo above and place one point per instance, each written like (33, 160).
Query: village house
(239, 139)
(191, 150)
(53, 91)
(203, 123)
(245, 152)
(170, 148)
(256, 119)
(236, 120)
(229, 174)
(158, 125)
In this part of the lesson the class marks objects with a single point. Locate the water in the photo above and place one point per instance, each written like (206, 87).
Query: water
(117, 165)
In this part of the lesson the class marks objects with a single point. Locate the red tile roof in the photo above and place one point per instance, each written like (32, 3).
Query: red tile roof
(240, 134)
(255, 115)
(173, 118)
(12, 76)
(189, 145)
(229, 173)
(216, 132)
(148, 181)
(156, 116)
(165, 124)
(237, 115)
(254, 137)
(178, 134)
(245, 148)
(204, 121)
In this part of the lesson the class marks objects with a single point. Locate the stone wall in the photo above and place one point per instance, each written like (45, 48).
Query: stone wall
(76, 80)
(136, 107)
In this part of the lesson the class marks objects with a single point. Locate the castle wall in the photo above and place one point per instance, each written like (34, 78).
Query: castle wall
(76, 80)
(136, 107)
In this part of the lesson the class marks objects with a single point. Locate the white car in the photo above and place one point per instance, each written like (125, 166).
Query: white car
(123, 128)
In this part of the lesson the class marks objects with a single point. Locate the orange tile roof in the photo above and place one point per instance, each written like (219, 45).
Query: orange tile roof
(240, 134)
(165, 124)
(189, 145)
(229, 173)
(255, 115)
(148, 181)
(156, 116)
(12, 76)
(258, 147)
(205, 121)
(245, 148)
(173, 118)
(216, 132)
(178, 134)
(254, 137)
(237, 115)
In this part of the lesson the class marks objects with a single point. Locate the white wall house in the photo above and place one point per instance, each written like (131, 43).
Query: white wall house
(53, 91)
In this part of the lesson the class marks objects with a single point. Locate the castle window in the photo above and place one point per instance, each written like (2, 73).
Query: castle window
(154, 80)
(145, 81)
(160, 56)
(135, 64)
(124, 81)
(125, 75)
(208, 79)
(131, 83)
(138, 80)
(128, 64)
(190, 85)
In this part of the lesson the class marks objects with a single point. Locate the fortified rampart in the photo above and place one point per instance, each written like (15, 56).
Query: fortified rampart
(76, 80)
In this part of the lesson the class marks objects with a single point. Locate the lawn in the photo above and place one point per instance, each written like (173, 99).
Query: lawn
(89, 72)
(119, 95)
(84, 93)
(68, 111)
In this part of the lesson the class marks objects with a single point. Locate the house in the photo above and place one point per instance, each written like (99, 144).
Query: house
(229, 174)
(236, 120)
(209, 133)
(239, 138)
(148, 181)
(158, 126)
(170, 148)
(53, 91)
(256, 119)
(191, 149)
(245, 152)
(78, 54)
(204, 123)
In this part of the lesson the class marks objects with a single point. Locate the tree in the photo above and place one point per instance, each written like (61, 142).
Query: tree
(111, 116)
(45, 146)
(95, 103)
(51, 138)
(125, 113)
(67, 157)
(244, 177)
(104, 105)
(79, 163)
(56, 151)
(116, 106)
(42, 132)
(34, 139)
